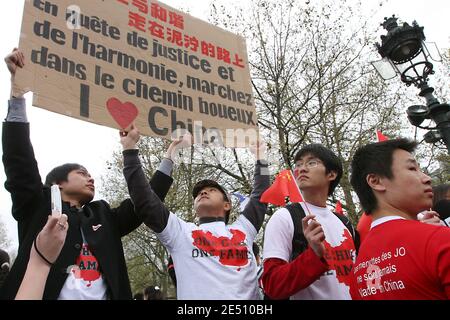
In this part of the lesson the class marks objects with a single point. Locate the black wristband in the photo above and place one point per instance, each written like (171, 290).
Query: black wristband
(40, 254)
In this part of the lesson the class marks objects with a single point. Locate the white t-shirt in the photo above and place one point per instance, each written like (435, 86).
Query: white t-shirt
(212, 261)
(85, 281)
(340, 252)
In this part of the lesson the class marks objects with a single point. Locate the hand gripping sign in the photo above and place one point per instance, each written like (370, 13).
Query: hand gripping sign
(121, 61)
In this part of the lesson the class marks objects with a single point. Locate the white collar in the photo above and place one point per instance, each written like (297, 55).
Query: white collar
(314, 207)
(384, 219)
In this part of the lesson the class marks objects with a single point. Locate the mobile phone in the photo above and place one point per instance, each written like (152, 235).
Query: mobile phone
(56, 204)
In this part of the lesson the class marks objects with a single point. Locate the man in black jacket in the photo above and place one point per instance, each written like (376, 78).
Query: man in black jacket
(91, 264)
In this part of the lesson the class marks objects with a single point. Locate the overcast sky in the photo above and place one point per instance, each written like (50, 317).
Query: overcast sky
(59, 139)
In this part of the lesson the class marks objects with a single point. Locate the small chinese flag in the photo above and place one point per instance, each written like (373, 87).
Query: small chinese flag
(381, 137)
(284, 186)
(338, 208)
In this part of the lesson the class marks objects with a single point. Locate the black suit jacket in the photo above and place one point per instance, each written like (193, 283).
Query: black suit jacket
(31, 207)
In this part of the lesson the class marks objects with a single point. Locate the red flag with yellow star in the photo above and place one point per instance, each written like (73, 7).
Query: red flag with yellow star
(283, 187)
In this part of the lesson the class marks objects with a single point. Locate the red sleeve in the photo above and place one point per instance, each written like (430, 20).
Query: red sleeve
(439, 248)
(281, 279)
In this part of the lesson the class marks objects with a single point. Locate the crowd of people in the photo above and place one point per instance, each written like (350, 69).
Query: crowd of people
(400, 250)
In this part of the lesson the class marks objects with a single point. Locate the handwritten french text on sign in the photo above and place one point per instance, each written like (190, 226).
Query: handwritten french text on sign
(121, 61)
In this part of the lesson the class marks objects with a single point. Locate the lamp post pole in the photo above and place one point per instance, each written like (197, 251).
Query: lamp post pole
(440, 114)
(404, 53)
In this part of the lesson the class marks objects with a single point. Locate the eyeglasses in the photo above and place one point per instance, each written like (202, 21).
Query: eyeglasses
(308, 164)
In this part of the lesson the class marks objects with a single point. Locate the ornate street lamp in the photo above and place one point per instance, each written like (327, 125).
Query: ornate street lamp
(405, 53)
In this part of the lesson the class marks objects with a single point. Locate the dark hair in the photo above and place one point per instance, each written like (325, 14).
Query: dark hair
(440, 192)
(153, 293)
(329, 159)
(59, 174)
(4, 257)
(375, 158)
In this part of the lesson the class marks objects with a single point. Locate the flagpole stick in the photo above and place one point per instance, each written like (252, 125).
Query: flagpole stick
(300, 191)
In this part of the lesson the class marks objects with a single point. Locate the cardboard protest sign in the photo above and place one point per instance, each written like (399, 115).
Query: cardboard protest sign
(118, 61)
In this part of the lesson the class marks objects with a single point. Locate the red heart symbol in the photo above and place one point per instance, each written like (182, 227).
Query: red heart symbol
(123, 113)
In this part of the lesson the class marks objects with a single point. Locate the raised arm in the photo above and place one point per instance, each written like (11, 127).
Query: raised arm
(148, 205)
(255, 210)
(22, 175)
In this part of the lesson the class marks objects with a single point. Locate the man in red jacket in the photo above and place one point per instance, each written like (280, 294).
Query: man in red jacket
(400, 258)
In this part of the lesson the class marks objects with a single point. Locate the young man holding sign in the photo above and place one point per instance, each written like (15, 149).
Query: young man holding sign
(213, 260)
(91, 264)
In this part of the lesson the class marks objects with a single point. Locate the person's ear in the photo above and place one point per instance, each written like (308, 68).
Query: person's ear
(226, 206)
(332, 175)
(375, 182)
(61, 185)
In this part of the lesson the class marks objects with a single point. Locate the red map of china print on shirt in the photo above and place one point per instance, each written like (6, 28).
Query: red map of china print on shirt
(86, 266)
(340, 258)
(231, 252)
